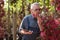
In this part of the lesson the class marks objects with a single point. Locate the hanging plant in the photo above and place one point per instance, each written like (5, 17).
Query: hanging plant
(2, 13)
(13, 1)
(54, 2)
(1, 4)
(58, 7)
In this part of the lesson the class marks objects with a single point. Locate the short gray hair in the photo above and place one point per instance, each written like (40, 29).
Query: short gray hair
(32, 5)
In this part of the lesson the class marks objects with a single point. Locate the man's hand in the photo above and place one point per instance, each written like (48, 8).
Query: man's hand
(26, 32)
(39, 20)
(29, 32)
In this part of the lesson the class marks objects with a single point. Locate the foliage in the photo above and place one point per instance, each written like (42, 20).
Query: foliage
(21, 8)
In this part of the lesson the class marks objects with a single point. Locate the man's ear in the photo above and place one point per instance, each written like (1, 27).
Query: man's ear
(31, 10)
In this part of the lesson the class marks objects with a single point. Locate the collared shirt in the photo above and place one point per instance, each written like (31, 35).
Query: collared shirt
(30, 23)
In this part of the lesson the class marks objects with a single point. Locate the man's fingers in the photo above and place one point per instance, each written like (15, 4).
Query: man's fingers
(30, 32)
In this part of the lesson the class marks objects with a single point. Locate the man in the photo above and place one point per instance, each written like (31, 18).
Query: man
(29, 27)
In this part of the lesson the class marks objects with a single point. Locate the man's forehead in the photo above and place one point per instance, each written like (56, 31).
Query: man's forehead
(36, 6)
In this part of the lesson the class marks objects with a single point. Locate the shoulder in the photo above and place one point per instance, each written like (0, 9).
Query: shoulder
(27, 16)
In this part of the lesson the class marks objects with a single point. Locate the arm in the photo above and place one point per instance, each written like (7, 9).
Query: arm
(42, 29)
(39, 21)
(23, 29)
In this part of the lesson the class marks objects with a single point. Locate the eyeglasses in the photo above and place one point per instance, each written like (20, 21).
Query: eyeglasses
(37, 9)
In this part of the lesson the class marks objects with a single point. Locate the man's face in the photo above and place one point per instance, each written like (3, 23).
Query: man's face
(36, 10)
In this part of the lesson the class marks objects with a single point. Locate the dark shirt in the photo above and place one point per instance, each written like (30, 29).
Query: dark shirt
(30, 23)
